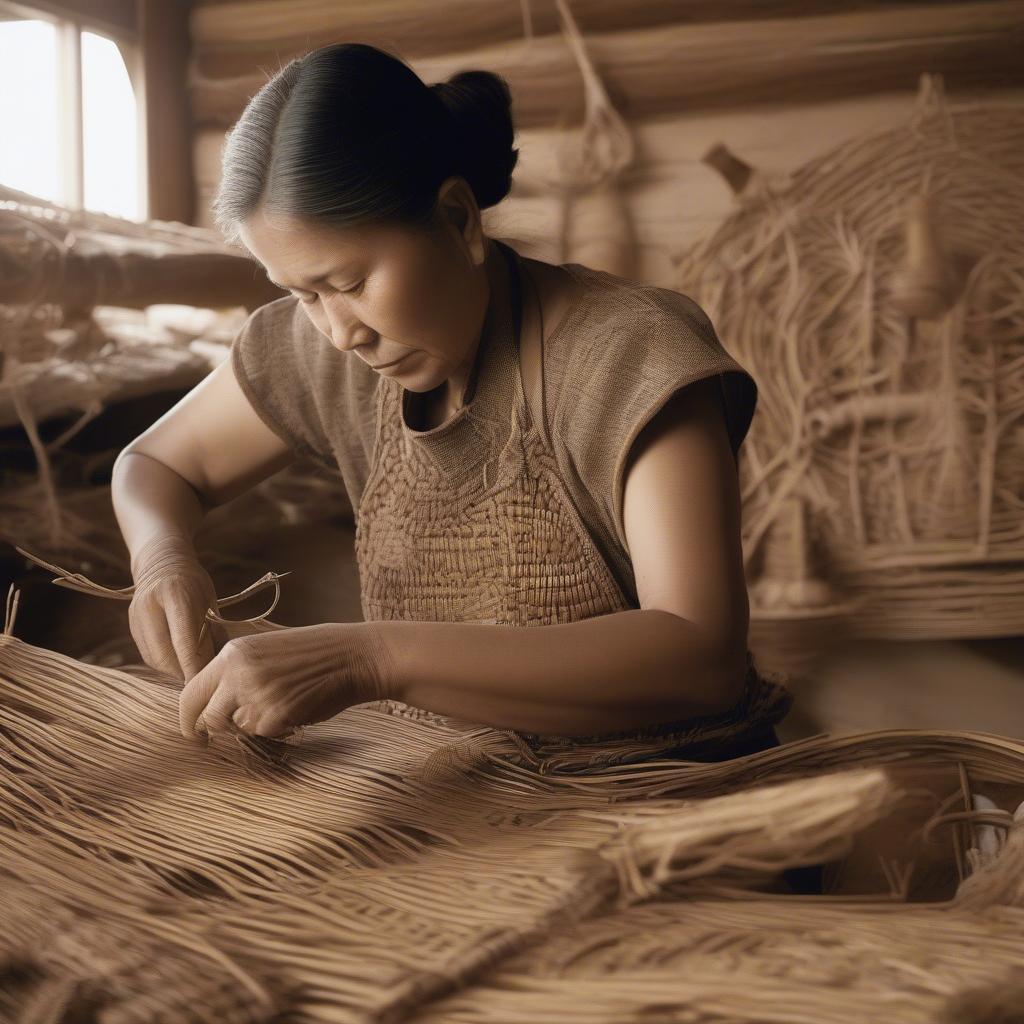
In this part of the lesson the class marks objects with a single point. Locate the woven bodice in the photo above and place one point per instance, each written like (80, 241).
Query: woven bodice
(470, 521)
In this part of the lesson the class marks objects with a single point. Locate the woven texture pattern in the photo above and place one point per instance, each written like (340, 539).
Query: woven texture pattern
(404, 867)
(509, 551)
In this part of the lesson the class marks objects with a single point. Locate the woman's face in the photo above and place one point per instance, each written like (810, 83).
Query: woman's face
(386, 292)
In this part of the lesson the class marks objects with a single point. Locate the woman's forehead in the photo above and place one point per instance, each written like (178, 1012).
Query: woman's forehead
(302, 251)
(286, 233)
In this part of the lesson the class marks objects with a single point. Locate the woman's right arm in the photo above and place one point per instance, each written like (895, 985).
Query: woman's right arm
(209, 448)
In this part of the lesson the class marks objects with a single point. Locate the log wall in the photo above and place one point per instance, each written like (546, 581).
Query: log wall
(776, 82)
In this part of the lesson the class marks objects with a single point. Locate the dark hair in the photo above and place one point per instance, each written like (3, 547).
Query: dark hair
(349, 134)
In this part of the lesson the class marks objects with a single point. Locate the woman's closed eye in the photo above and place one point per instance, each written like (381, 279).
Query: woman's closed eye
(354, 290)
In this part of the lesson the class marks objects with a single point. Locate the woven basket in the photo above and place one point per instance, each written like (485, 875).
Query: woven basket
(874, 295)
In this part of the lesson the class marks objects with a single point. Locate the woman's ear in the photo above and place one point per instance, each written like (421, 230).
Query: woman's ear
(460, 214)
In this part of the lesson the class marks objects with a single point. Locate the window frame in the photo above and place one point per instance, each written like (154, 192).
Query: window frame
(70, 24)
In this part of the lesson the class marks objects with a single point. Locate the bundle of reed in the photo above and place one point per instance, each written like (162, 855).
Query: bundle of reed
(874, 294)
(65, 220)
(401, 865)
(78, 259)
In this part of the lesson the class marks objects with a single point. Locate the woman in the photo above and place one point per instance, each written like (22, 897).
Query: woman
(524, 444)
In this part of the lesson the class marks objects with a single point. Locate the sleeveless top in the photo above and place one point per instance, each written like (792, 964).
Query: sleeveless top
(471, 521)
(490, 517)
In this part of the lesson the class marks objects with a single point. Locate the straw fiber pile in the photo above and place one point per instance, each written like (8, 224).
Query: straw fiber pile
(396, 865)
(71, 349)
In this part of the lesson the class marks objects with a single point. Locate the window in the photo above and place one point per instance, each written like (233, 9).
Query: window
(69, 118)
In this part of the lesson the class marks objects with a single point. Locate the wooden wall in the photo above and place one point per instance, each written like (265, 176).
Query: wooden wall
(776, 82)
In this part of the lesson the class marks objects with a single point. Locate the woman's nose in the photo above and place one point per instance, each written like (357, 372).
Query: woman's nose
(347, 341)
(347, 332)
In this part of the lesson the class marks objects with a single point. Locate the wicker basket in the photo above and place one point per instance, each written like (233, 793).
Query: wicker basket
(874, 294)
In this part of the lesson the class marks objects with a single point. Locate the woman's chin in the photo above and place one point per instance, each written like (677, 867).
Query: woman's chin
(415, 377)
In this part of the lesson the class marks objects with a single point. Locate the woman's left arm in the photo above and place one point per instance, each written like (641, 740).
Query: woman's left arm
(683, 653)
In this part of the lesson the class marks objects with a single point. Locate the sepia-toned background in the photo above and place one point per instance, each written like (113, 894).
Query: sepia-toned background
(839, 184)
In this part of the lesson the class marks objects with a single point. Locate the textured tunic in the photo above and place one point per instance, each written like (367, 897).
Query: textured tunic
(491, 517)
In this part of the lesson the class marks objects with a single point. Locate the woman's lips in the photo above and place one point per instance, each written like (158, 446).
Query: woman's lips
(394, 362)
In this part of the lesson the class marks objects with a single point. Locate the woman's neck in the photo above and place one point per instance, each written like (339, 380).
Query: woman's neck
(452, 395)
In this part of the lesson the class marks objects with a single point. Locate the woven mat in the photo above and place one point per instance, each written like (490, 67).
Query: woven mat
(396, 867)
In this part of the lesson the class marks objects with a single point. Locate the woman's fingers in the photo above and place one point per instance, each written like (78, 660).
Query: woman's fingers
(165, 656)
(168, 612)
(207, 647)
(170, 627)
(197, 699)
(149, 631)
(217, 715)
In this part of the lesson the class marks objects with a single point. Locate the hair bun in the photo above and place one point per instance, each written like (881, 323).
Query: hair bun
(349, 134)
(479, 108)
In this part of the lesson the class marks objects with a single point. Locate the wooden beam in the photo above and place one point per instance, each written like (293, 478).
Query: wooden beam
(163, 36)
(231, 39)
(139, 279)
(672, 68)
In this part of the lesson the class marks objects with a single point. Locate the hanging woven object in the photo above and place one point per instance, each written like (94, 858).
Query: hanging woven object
(596, 223)
(875, 296)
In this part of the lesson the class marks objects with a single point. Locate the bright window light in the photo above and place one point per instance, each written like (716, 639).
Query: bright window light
(109, 133)
(40, 117)
(29, 141)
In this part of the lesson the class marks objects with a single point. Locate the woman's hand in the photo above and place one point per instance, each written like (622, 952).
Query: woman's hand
(270, 683)
(168, 610)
